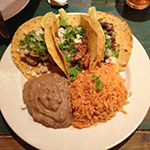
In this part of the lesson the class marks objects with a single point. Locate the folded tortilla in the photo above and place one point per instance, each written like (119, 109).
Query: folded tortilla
(95, 49)
(25, 68)
(123, 38)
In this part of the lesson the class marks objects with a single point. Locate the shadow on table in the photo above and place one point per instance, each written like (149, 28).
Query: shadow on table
(132, 14)
(14, 22)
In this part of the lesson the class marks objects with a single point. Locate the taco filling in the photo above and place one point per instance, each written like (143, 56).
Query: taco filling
(118, 38)
(33, 51)
(111, 47)
(73, 43)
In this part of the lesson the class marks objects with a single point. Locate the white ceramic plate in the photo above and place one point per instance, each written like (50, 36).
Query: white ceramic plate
(10, 8)
(102, 136)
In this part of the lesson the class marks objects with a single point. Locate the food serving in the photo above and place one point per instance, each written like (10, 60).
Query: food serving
(29, 51)
(89, 54)
(97, 96)
(118, 38)
(76, 41)
(48, 100)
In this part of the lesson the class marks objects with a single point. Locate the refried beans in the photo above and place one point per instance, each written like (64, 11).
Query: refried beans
(48, 100)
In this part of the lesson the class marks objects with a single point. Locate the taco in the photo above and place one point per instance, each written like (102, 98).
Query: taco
(118, 38)
(29, 51)
(76, 41)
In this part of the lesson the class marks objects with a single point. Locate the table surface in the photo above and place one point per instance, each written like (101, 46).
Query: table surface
(139, 22)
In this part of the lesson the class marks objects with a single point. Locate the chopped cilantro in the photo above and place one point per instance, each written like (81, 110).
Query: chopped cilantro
(35, 42)
(94, 77)
(81, 30)
(67, 47)
(110, 32)
(73, 71)
(98, 84)
(22, 44)
(108, 43)
(100, 20)
(118, 45)
(115, 53)
(69, 59)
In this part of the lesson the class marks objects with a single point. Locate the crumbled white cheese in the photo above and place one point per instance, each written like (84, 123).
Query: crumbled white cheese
(111, 60)
(30, 68)
(33, 73)
(39, 64)
(38, 71)
(42, 69)
(79, 28)
(78, 36)
(37, 76)
(48, 72)
(39, 32)
(25, 32)
(78, 41)
(26, 52)
(61, 32)
(108, 53)
(62, 40)
(108, 36)
(28, 72)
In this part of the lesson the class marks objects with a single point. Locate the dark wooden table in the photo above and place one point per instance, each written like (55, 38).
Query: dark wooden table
(139, 22)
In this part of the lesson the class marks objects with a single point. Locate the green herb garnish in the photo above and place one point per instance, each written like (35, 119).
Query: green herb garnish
(118, 45)
(115, 53)
(69, 59)
(94, 77)
(98, 84)
(108, 43)
(67, 47)
(110, 32)
(35, 42)
(73, 71)
(100, 20)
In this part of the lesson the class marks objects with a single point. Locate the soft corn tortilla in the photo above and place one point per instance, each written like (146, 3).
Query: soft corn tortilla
(96, 40)
(51, 45)
(32, 24)
(123, 38)
(95, 49)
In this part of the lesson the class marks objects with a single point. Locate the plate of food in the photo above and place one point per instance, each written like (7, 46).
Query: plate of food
(11, 8)
(74, 81)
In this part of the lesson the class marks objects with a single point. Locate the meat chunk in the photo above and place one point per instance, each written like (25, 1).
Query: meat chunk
(33, 54)
(31, 61)
(82, 49)
(22, 55)
(107, 26)
(85, 61)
